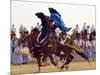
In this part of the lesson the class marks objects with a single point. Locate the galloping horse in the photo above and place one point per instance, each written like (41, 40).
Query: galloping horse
(55, 45)
(49, 44)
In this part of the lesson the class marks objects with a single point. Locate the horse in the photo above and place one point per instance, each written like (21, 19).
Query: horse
(36, 48)
(49, 44)
(55, 45)
(47, 47)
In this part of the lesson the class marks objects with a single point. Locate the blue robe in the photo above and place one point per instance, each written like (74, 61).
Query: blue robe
(15, 59)
(59, 22)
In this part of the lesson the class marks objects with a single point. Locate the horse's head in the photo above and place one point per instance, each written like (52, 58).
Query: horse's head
(31, 38)
(34, 33)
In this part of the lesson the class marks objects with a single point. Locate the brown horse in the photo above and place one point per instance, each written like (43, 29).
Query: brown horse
(57, 47)
(49, 46)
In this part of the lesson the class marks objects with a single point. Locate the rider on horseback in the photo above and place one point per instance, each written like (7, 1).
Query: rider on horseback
(45, 23)
(44, 29)
(58, 22)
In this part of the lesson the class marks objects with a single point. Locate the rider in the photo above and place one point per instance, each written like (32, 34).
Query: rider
(58, 22)
(44, 28)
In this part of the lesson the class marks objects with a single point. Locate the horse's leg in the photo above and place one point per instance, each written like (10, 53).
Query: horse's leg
(69, 59)
(62, 57)
(39, 63)
(52, 60)
(62, 64)
(44, 58)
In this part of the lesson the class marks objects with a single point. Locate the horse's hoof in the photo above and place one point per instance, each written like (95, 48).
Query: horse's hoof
(66, 67)
(37, 72)
(61, 68)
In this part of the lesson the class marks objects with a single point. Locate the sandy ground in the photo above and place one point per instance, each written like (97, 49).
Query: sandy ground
(32, 68)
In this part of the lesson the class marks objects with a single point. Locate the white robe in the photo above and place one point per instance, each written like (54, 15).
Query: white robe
(18, 58)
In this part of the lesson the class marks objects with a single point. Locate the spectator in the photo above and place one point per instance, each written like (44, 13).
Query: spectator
(87, 47)
(76, 29)
(21, 29)
(13, 29)
(93, 44)
(88, 31)
(79, 41)
(25, 53)
(92, 28)
(84, 30)
(14, 44)
(25, 29)
(18, 54)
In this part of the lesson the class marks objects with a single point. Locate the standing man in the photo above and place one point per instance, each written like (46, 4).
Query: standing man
(76, 29)
(84, 30)
(92, 29)
(87, 47)
(21, 29)
(13, 29)
(88, 31)
(14, 44)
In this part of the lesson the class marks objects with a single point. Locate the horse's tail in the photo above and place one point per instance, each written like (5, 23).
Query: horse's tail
(82, 55)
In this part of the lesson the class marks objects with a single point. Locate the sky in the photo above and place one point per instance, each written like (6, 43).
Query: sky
(72, 14)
